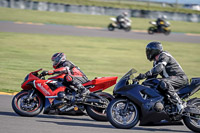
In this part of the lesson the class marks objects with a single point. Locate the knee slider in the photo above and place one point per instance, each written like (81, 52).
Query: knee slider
(68, 78)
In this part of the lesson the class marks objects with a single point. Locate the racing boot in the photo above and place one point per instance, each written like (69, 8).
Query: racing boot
(179, 103)
(83, 90)
(180, 107)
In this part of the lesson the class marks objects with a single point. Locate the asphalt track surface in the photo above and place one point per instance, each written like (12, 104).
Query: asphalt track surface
(10, 122)
(52, 29)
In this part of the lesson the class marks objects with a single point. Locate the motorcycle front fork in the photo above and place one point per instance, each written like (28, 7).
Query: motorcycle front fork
(30, 94)
(126, 108)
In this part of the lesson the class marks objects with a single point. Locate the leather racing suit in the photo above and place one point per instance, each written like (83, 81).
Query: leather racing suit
(173, 76)
(160, 24)
(74, 76)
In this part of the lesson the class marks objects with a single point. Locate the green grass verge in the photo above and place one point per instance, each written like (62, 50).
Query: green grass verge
(8, 14)
(97, 57)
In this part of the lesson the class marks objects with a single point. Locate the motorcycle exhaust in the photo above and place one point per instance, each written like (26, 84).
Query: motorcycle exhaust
(158, 106)
(65, 108)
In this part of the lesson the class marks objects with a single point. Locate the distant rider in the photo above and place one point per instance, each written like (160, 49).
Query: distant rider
(161, 23)
(74, 76)
(173, 76)
(122, 19)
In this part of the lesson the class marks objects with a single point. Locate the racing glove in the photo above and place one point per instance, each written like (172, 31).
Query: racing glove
(44, 73)
(143, 76)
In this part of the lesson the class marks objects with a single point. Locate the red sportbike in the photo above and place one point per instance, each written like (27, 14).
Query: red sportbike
(52, 95)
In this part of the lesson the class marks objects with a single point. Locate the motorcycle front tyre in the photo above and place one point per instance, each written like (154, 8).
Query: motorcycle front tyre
(115, 120)
(151, 30)
(127, 29)
(19, 99)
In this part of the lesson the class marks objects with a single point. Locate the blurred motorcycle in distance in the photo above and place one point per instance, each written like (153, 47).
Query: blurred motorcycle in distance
(124, 24)
(154, 28)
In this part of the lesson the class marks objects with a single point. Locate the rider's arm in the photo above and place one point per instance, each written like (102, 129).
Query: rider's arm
(127, 19)
(159, 65)
(58, 71)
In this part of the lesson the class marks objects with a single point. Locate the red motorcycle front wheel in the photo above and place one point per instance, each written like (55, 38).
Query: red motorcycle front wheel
(25, 106)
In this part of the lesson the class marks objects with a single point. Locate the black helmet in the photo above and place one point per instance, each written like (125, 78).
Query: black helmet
(57, 59)
(153, 49)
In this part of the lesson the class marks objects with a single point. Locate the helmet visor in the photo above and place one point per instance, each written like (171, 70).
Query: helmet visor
(148, 54)
(55, 61)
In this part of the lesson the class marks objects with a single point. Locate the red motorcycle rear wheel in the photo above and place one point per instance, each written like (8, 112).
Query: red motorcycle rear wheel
(99, 114)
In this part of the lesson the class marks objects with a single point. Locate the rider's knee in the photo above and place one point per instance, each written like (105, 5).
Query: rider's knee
(68, 78)
(163, 85)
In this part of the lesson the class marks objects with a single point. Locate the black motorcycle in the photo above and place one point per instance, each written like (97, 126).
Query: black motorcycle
(154, 28)
(134, 102)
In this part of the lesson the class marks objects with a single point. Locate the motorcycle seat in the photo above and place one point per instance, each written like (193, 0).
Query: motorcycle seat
(195, 81)
(190, 89)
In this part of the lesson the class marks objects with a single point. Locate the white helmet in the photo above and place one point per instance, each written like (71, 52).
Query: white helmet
(125, 13)
(164, 17)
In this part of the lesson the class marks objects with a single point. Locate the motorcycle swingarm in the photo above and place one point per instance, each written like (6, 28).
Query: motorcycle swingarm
(92, 102)
(192, 110)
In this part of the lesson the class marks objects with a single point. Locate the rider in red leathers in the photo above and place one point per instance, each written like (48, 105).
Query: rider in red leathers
(74, 76)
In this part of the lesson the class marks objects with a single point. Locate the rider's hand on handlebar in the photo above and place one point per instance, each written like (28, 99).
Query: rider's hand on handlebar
(135, 80)
(141, 76)
(44, 73)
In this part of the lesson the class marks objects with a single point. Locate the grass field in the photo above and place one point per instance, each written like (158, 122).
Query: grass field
(97, 57)
(8, 14)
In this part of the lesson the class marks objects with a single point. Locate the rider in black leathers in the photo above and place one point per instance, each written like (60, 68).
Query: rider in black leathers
(173, 76)
(161, 23)
(74, 76)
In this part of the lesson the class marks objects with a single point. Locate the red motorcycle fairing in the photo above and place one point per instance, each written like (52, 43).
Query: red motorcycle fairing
(101, 83)
(30, 77)
(42, 86)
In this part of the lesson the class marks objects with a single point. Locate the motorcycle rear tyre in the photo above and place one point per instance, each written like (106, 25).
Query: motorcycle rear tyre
(187, 120)
(96, 113)
(167, 32)
(127, 29)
